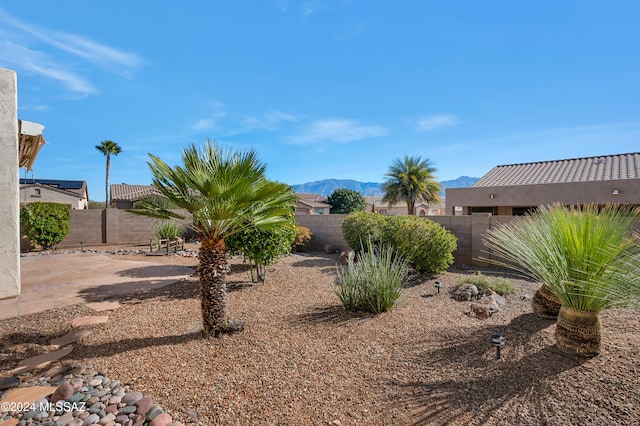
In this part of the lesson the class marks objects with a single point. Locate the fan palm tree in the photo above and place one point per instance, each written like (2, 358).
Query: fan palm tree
(217, 193)
(108, 148)
(411, 181)
(587, 257)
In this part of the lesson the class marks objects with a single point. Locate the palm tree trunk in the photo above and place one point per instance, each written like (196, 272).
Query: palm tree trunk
(579, 332)
(213, 288)
(545, 304)
(106, 184)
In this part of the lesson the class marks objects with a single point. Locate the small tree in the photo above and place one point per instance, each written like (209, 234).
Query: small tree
(262, 247)
(46, 224)
(345, 201)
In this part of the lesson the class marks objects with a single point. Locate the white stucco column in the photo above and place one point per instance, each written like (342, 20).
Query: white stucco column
(9, 187)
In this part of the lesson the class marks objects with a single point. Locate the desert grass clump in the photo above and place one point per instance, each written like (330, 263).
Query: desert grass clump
(373, 281)
(588, 257)
(499, 285)
(168, 230)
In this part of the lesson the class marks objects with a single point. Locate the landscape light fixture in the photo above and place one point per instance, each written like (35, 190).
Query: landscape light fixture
(81, 248)
(498, 341)
(492, 196)
(615, 192)
(438, 286)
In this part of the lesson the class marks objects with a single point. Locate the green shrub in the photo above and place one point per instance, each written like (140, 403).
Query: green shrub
(360, 227)
(302, 239)
(168, 230)
(373, 281)
(502, 286)
(45, 224)
(262, 247)
(426, 244)
(345, 201)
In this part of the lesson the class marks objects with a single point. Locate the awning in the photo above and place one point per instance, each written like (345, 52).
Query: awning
(30, 141)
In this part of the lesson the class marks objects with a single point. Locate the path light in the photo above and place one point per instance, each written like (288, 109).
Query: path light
(81, 248)
(498, 341)
(438, 286)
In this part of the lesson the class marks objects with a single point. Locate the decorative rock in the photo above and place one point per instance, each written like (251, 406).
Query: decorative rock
(143, 405)
(153, 412)
(71, 337)
(465, 293)
(131, 398)
(129, 409)
(345, 257)
(41, 361)
(91, 419)
(114, 400)
(138, 420)
(64, 391)
(9, 382)
(162, 419)
(82, 321)
(110, 417)
(329, 249)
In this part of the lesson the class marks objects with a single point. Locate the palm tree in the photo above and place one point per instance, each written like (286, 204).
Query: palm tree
(588, 257)
(411, 181)
(108, 148)
(218, 193)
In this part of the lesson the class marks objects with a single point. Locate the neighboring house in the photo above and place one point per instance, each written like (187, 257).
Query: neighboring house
(311, 204)
(71, 192)
(374, 203)
(516, 189)
(123, 195)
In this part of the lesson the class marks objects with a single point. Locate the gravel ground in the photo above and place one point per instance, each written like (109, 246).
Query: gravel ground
(303, 360)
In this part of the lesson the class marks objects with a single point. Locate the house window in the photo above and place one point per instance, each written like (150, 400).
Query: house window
(457, 210)
(36, 192)
(318, 211)
(382, 211)
(422, 213)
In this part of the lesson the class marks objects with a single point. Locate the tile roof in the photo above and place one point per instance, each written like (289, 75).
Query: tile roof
(588, 169)
(132, 192)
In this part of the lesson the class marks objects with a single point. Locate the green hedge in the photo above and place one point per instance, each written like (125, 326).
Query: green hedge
(425, 244)
(45, 224)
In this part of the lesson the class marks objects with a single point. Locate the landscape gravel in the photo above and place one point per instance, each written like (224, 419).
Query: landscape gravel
(304, 360)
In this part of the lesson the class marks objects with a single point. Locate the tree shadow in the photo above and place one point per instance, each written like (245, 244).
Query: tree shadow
(139, 290)
(156, 271)
(317, 262)
(107, 349)
(490, 383)
(335, 314)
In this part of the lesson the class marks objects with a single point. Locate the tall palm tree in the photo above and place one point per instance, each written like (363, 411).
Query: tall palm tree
(108, 148)
(411, 181)
(217, 193)
(588, 257)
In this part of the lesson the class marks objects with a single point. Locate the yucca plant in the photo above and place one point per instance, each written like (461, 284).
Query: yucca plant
(587, 257)
(168, 230)
(373, 281)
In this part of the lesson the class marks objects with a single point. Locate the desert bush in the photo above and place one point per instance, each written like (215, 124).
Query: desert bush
(373, 281)
(360, 227)
(302, 239)
(168, 230)
(262, 247)
(45, 224)
(426, 244)
(500, 285)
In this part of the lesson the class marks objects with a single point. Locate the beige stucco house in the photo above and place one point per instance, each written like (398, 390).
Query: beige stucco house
(516, 189)
(309, 203)
(124, 195)
(374, 203)
(74, 193)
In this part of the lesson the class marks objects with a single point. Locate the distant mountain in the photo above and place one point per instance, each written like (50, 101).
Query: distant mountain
(327, 186)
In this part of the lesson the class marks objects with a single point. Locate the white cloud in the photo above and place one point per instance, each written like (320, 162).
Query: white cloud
(426, 124)
(39, 63)
(336, 130)
(269, 121)
(17, 49)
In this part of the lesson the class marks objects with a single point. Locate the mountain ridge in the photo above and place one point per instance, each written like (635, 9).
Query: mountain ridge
(325, 187)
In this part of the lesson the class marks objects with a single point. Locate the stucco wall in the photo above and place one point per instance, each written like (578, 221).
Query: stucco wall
(601, 192)
(29, 194)
(9, 174)
(326, 229)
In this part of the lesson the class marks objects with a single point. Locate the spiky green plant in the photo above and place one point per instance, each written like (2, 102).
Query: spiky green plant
(586, 256)
(373, 281)
(168, 230)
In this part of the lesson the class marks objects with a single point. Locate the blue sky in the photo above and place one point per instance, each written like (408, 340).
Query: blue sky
(324, 89)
